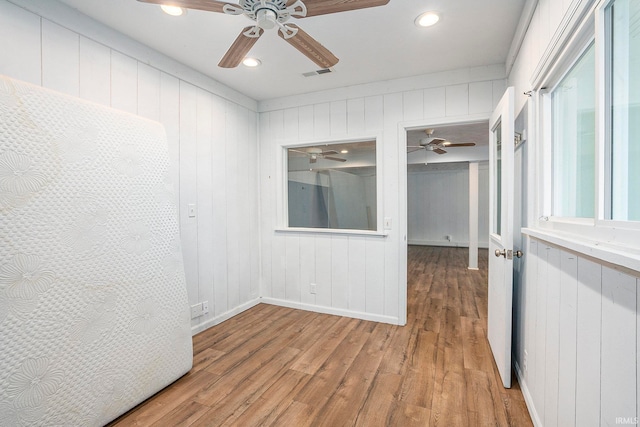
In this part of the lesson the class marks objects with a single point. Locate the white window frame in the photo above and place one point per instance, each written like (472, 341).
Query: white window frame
(588, 235)
(283, 191)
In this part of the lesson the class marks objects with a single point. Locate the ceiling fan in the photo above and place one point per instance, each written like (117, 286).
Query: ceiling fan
(268, 14)
(317, 153)
(437, 145)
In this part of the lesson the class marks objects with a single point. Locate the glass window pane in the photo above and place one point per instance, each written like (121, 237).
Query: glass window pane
(333, 186)
(573, 106)
(625, 110)
(497, 200)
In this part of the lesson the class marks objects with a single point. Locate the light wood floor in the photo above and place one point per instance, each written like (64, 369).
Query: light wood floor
(277, 366)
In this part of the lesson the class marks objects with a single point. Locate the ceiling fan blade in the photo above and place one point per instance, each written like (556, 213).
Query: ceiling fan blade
(460, 144)
(323, 7)
(414, 149)
(329, 152)
(439, 151)
(436, 141)
(310, 47)
(337, 159)
(208, 5)
(239, 49)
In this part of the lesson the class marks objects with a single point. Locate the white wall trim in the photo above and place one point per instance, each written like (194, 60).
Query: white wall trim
(521, 31)
(334, 311)
(567, 29)
(77, 22)
(224, 316)
(425, 81)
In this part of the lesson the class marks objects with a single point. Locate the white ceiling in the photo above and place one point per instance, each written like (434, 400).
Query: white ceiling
(374, 44)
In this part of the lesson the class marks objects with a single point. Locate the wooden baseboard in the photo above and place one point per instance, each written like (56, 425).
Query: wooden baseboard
(224, 316)
(527, 395)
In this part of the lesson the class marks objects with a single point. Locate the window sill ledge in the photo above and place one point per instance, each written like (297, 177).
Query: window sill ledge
(332, 231)
(624, 256)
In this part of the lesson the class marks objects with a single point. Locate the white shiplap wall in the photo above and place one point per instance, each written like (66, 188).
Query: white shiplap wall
(576, 318)
(212, 135)
(438, 205)
(356, 275)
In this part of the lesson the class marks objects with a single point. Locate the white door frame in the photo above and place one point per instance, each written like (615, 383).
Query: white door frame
(403, 127)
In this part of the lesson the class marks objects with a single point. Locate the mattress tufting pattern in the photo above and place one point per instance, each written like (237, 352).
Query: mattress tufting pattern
(94, 316)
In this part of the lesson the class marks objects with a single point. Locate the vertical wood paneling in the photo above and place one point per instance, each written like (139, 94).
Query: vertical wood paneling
(322, 120)
(530, 349)
(278, 266)
(499, 87)
(292, 276)
(480, 97)
(340, 272)
(20, 44)
(355, 116)
(357, 274)
(323, 270)
(434, 102)
(567, 350)
(290, 133)
(307, 268)
(243, 224)
(552, 346)
(375, 267)
(234, 258)
(60, 59)
(391, 115)
(588, 343)
(124, 81)
(618, 387)
(541, 328)
(266, 204)
(637, 348)
(149, 93)
(204, 188)
(338, 117)
(170, 118)
(188, 183)
(305, 123)
(374, 113)
(95, 72)
(413, 105)
(457, 100)
(219, 194)
(253, 180)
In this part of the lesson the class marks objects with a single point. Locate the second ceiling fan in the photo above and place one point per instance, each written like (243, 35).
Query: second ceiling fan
(437, 145)
(269, 14)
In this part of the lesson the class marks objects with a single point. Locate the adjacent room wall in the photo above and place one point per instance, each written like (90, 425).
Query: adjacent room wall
(576, 318)
(212, 134)
(356, 275)
(438, 206)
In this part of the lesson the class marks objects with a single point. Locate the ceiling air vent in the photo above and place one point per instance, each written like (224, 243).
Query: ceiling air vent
(318, 72)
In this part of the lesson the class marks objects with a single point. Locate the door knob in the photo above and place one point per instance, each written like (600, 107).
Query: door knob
(518, 254)
(500, 253)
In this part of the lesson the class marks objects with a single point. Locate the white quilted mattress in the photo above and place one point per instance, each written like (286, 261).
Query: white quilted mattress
(93, 307)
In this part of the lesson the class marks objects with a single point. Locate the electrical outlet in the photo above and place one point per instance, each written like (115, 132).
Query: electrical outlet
(205, 307)
(312, 288)
(196, 310)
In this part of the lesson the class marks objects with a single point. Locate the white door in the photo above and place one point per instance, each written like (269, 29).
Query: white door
(501, 194)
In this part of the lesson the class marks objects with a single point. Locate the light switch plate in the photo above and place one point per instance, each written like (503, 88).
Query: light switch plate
(192, 210)
(388, 223)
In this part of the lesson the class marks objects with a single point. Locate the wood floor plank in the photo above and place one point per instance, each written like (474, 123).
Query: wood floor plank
(276, 366)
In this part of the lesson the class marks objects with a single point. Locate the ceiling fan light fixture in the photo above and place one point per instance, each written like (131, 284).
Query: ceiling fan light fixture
(344, 151)
(427, 19)
(251, 62)
(172, 10)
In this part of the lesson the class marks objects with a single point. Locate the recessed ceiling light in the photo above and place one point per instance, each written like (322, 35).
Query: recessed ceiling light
(344, 151)
(427, 19)
(172, 10)
(251, 62)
